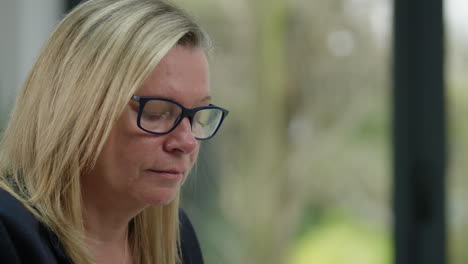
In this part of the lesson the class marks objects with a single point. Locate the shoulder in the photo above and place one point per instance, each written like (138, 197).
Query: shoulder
(23, 238)
(14, 214)
(190, 247)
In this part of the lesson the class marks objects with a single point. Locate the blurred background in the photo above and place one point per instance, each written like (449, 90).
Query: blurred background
(301, 170)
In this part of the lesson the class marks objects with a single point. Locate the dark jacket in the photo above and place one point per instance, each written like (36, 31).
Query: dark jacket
(23, 239)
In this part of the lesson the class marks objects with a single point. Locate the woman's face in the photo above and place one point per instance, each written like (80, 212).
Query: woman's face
(139, 168)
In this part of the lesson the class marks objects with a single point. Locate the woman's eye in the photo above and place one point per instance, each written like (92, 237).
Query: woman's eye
(156, 116)
(200, 122)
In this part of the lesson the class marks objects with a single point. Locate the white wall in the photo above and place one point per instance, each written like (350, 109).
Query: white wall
(24, 27)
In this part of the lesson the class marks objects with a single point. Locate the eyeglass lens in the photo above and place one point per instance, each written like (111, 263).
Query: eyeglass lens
(160, 116)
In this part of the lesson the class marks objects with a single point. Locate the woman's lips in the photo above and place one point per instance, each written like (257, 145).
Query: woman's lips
(168, 175)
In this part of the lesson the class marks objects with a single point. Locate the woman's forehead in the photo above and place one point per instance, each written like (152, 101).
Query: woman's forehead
(182, 73)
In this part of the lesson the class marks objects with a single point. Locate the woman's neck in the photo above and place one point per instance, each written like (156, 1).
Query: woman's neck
(109, 246)
(106, 231)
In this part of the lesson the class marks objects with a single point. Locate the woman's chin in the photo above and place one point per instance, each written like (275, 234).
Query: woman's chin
(160, 196)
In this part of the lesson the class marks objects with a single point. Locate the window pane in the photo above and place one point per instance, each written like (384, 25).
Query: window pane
(457, 102)
(301, 167)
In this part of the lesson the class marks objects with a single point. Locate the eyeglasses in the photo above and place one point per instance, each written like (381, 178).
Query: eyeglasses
(160, 116)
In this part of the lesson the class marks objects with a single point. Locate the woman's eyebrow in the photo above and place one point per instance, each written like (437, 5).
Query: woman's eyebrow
(205, 99)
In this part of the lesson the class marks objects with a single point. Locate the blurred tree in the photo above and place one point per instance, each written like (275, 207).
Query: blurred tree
(306, 83)
(266, 209)
(457, 97)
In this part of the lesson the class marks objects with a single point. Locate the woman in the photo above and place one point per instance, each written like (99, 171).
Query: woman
(103, 134)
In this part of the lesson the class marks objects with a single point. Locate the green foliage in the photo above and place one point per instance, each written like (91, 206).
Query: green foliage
(339, 239)
(307, 88)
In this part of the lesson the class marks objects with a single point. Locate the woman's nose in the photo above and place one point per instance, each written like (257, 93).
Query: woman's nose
(181, 138)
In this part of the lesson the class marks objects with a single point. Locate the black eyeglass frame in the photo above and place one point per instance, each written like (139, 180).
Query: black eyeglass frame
(186, 112)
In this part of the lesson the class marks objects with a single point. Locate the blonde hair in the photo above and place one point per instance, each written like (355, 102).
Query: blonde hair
(84, 77)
